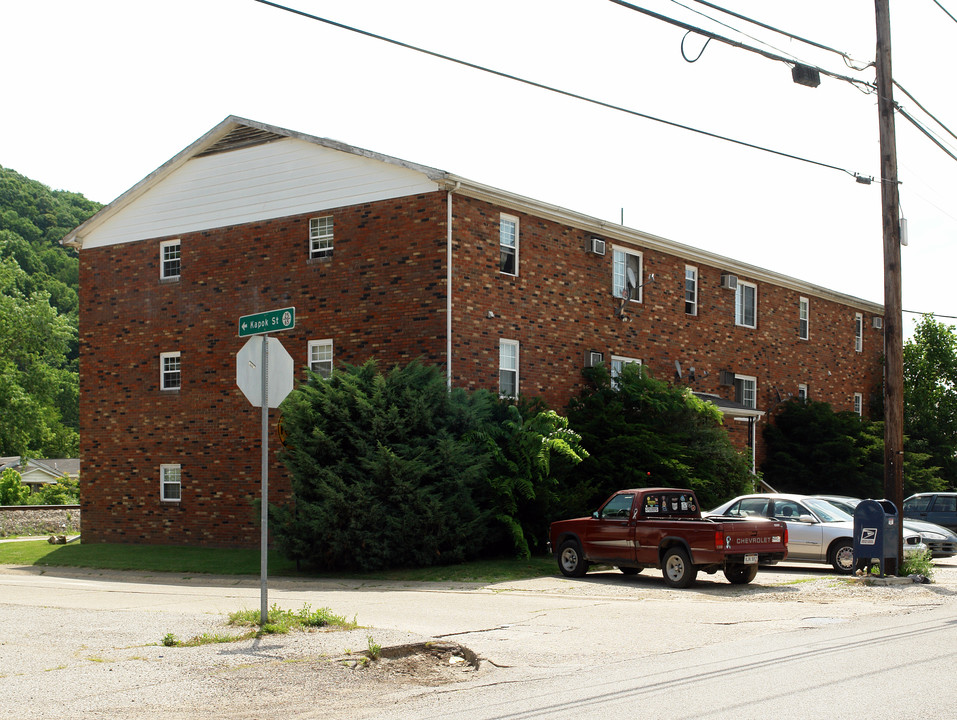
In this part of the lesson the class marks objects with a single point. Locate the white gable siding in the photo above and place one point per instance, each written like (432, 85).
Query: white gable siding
(285, 177)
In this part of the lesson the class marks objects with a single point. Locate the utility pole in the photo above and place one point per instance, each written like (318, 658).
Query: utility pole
(893, 317)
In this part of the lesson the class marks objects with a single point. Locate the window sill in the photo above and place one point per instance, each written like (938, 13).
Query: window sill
(319, 260)
(169, 280)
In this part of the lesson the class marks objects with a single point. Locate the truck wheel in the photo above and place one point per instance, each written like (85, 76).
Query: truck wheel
(630, 570)
(677, 569)
(570, 560)
(842, 557)
(740, 574)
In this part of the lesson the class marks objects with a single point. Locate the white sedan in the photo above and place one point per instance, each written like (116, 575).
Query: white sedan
(818, 532)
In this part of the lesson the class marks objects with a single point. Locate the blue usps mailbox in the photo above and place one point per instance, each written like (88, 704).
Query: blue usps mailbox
(875, 534)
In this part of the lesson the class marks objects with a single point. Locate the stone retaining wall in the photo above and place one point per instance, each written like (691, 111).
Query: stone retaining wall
(39, 520)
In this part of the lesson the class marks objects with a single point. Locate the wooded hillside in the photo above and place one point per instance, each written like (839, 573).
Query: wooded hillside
(39, 283)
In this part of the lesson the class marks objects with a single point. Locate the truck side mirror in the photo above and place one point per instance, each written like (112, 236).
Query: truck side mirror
(596, 515)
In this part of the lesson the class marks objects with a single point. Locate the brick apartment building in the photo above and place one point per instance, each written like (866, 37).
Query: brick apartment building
(366, 247)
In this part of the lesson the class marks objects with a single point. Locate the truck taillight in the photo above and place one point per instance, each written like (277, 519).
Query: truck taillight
(785, 535)
(718, 539)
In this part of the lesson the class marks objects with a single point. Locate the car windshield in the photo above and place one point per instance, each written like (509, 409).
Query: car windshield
(826, 511)
(845, 504)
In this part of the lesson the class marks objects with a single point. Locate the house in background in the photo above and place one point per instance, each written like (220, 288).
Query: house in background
(389, 259)
(36, 473)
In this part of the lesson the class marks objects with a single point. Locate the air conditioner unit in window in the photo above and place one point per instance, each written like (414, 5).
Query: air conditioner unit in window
(597, 246)
(729, 282)
(726, 377)
(592, 358)
(877, 322)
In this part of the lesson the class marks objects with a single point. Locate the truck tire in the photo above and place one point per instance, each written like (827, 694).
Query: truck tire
(630, 570)
(842, 557)
(676, 568)
(571, 561)
(740, 574)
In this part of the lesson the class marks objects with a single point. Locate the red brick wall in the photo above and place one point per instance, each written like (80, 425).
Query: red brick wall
(382, 295)
(560, 305)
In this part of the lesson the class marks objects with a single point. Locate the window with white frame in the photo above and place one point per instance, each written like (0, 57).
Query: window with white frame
(691, 290)
(858, 332)
(171, 483)
(746, 304)
(170, 376)
(803, 319)
(618, 365)
(858, 403)
(746, 390)
(508, 244)
(626, 274)
(320, 237)
(320, 357)
(802, 392)
(170, 265)
(508, 368)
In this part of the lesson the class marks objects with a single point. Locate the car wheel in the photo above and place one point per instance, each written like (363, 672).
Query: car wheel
(677, 569)
(842, 557)
(570, 559)
(630, 570)
(740, 574)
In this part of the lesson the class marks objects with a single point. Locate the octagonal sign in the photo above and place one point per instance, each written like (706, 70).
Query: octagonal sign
(279, 378)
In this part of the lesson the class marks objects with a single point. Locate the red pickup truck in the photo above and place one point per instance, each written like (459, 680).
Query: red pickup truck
(663, 528)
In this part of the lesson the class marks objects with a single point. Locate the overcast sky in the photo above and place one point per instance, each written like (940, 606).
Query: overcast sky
(98, 94)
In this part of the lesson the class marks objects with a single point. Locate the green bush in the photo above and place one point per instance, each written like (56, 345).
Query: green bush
(64, 491)
(386, 470)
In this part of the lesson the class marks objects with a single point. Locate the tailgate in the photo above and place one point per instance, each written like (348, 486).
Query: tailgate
(754, 536)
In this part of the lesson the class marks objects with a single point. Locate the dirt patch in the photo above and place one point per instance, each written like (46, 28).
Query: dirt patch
(429, 663)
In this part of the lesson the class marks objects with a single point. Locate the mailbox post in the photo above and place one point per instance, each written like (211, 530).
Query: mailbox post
(876, 531)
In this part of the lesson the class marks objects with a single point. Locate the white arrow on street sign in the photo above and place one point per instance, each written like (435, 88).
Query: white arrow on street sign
(279, 377)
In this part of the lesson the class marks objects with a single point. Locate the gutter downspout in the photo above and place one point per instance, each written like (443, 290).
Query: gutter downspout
(448, 288)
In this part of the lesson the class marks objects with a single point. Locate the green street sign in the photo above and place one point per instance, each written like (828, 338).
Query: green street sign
(267, 322)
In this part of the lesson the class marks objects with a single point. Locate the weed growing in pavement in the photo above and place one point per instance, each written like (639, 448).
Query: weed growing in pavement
(282, 621)
(919, 563)
(279, 622)
(797, 581)
(375, 649)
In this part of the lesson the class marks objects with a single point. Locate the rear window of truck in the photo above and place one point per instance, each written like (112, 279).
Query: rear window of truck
(669, 505)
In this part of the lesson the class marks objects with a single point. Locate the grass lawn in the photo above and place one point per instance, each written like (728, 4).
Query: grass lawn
(163, 558)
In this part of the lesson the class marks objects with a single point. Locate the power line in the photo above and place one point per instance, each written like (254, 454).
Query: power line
(926, 132)
(566, 93)
(730, 27)
(741, 46)
(916, 312)
(848, 60)
(945, 11)
(928, 112)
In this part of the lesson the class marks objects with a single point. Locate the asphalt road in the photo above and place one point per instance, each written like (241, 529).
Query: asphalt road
(799, 641)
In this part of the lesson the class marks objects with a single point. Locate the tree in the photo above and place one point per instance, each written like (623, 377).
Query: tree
(12, 489)
(34, 372)
(930, 395)
(811, 449)
(532, 451)
(642, 432)
(386, 470)
(39, 281)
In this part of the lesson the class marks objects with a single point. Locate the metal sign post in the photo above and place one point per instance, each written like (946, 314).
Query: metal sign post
(256, 388)
(264, 529)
